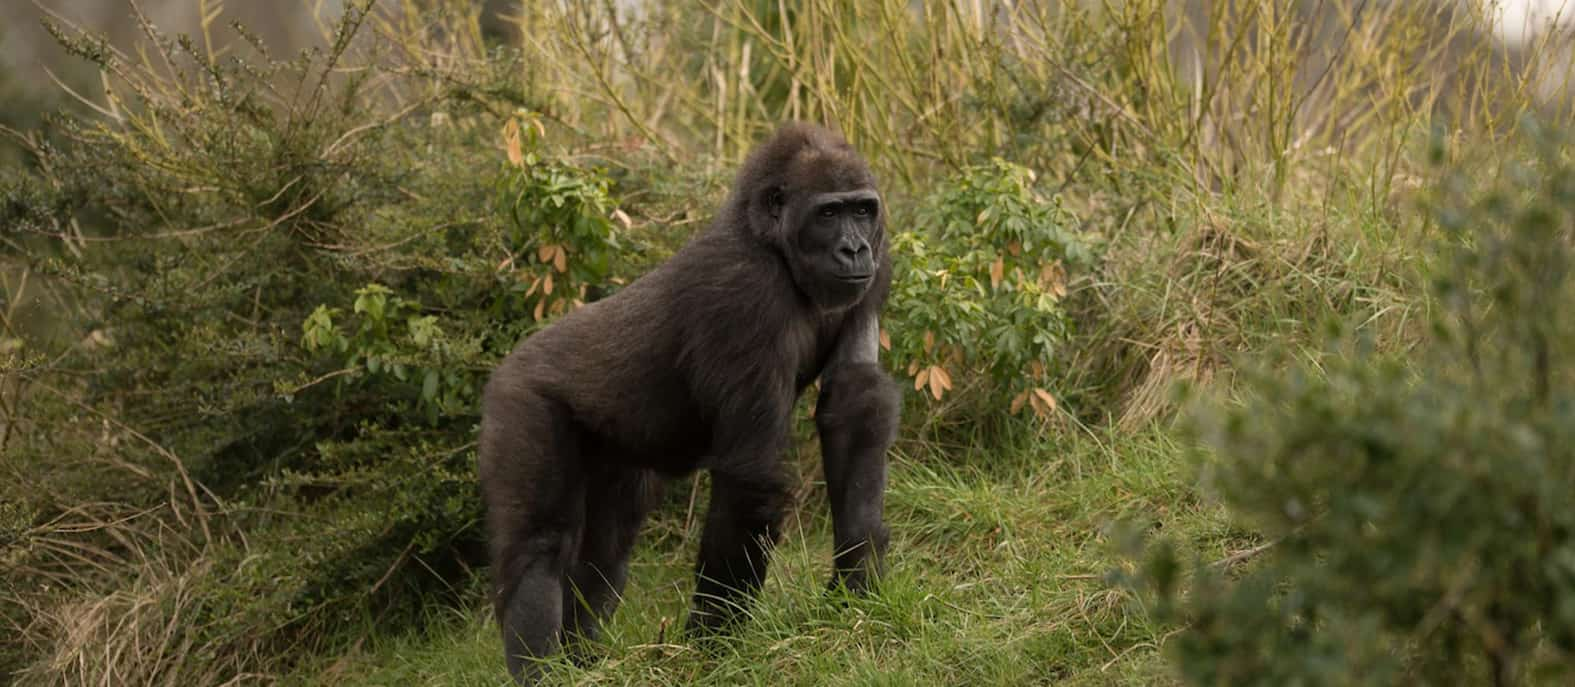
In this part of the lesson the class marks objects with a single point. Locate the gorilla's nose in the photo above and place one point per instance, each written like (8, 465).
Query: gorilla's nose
(854, 256)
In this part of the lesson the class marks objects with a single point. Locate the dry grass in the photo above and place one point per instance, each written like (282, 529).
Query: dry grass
(1249, 165)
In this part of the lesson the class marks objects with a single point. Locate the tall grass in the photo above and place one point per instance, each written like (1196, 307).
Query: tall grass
(1251, 162)
(1218, 85)
(1249, 165)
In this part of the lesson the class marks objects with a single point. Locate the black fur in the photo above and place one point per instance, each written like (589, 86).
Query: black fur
(697, 365)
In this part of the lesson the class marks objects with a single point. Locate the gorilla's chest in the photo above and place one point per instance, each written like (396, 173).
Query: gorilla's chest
(813, 341)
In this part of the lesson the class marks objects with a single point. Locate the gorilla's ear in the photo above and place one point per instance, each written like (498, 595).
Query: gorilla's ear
(766, 207)
(774, 200)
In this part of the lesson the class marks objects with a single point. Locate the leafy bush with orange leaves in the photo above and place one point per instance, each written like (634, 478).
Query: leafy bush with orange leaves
(291, 305)
(979, 289)
(562, 238)
(558, 241)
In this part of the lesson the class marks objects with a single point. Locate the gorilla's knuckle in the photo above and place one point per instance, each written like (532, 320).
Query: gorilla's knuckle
(862, 394)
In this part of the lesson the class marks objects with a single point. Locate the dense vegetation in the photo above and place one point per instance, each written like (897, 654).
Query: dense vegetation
(249, 301)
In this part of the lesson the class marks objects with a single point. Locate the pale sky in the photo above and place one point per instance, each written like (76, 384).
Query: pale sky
(1521, 19)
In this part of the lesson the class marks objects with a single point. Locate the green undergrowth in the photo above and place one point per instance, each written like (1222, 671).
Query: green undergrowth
(998, 577)
(248, 300)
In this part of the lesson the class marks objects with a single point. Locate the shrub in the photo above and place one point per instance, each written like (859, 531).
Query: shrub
(286, 308)
(978, 291)
(1419, 504)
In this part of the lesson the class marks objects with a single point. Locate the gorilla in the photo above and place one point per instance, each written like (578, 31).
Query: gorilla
(697, 365)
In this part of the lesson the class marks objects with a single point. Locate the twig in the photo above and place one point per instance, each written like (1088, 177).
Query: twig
(180, 466)
(324, 378)
(398, 561)
(694, 491)
(344, 138)
(1240, 556)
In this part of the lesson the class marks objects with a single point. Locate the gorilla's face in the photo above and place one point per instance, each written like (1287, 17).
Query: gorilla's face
(832, 238)
(838, 234)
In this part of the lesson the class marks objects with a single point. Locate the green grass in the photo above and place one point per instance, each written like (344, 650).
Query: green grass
(997, 577)
(1240, 211)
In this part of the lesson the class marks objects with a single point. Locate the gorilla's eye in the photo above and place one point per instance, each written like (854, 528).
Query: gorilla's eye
(828, 211)
(861, 210)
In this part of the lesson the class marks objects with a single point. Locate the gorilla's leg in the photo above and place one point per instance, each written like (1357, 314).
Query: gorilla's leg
(616, 503)
(534, 487)
(857, 416)
(741, 527)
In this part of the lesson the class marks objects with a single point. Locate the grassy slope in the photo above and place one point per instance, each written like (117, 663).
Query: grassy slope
(997, 565)
(998, 556)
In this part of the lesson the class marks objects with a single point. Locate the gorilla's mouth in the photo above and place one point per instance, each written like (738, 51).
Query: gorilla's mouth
(855, 278)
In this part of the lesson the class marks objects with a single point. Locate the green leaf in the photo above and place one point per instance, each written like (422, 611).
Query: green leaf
(429, 385)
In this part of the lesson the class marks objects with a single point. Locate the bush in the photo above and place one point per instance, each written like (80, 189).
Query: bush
(1418, 505)
(271, 287)
(282, 311)
(978, 292)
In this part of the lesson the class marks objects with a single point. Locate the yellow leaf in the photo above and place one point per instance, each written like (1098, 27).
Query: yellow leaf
(546, 285)
(885, 340)
(1053, 278)
(623, 218)
(1046, 398)
(561, 260)
(929, 341)
(913, 367)
(1037, 368)
(936, 388)
(954, 354)
(506, 263)
(921, 378)
(946, 377)
(997, 270)
(511, 142)
(537, 312)
(544, 253)
(535, 284)
(1018, 401)
(1014, 248)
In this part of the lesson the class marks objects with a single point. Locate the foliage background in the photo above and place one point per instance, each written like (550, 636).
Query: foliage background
(250, 299)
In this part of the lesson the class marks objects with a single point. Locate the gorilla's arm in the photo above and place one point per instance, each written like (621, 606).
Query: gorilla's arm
(857, 416)
(750, 493)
